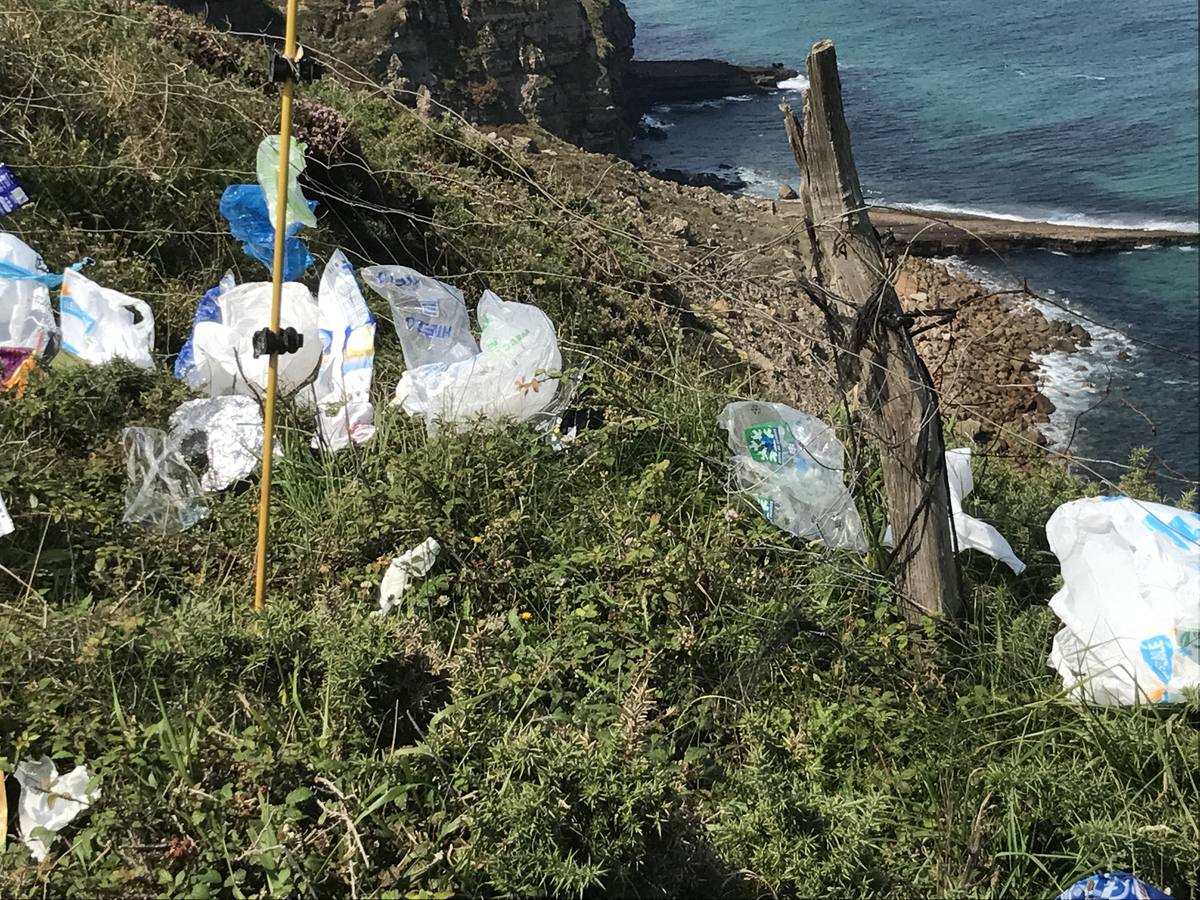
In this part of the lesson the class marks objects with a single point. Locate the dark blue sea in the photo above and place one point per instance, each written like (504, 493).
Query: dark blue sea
(1073, 112)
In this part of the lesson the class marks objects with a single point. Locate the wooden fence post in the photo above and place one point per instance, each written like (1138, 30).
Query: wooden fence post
(848, 279)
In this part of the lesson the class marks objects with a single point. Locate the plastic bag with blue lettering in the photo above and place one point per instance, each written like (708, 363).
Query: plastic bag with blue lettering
(510, 378)
(430, 317)
(100, 325)
(342, 392)
(267, 168)
(26, 317)
(792, 464)
(207, 310)
(245, 209)
(1112, 886)
(1129, 603)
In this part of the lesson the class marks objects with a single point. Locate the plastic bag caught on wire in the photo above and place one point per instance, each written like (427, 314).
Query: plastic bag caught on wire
(507, 379)
(342, 392)
(970, 532)
(1128, 605)
(430, 317)
(245, 209)
(792, 464)
(100, 325)
(227, 432)
(27, 326)
(267, 169)
(162, 492)
(222, 357)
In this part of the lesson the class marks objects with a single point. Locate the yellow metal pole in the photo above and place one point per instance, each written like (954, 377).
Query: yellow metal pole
(285, 154)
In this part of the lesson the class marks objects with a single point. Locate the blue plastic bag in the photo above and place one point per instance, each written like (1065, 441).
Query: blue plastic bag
(207, 310)
(245, 208)
(1112, 886)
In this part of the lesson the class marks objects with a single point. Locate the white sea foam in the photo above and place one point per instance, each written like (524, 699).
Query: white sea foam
(757, 184)
(1089, 77)
(1055, 218)
(1073, 382)
(649, 121)
(799, 83)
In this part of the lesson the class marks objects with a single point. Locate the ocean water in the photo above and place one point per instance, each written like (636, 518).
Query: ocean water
(1075, 112)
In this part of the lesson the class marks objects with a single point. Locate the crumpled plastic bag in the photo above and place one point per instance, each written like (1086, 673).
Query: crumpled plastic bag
(6, 522)
(225, 431)
(792, 464)
(162, 492)
(245, 209)
(12, 193)
(100, 325)
(430, 317)
(26, 316)
(404, 569)
(207, 310)
(1129, 602)
(505, 380)
(49, 800)
(342, 392)
(267, 168)
(222, 345)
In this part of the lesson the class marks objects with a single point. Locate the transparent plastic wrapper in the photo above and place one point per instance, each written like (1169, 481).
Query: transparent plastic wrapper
(506, 380)
(100, 325)
(244, 207)
(227, 432)
(404, 569)
(792, 464)
(162, 493)
(342, 392)
(222, 346)
(267, 168)
(49, 800)
(6, 522)
(1130, 601)
(430, 317)
(26, 316)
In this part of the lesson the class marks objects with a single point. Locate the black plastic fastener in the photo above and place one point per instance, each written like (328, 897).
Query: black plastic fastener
(268, 342)
(302, 69)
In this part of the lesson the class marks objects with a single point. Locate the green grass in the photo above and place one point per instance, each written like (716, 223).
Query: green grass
(618, 680)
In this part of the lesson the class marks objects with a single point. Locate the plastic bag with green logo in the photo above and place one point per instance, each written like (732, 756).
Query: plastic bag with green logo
(792, 464)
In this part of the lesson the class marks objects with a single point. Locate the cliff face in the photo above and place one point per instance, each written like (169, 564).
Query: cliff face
(560, 63)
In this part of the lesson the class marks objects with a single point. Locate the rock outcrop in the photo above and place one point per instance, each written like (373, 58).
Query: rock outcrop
(562, 64)
(692, 80)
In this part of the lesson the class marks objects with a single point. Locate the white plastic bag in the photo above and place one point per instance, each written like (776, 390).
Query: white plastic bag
(1130, 602)
(100, 325)
(162, 493)
(267, 166)
(792, 464)
(49, 800)
(403, 570)
(971, 532)
(26, 317)
(501, 381)
(430, 317)
(223, 358)
(226, 431)
(6, 522)
(342, 392)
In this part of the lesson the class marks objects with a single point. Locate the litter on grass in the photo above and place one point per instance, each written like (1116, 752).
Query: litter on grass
(792, 464)
(221, 357)
(342, 392)
(6, 522)
(1128, 605)
(12, 193)
(50, 801)
(974, 533)
(1112, 886)
(27, 326)
(404, 569)
(162, 492)
(226, 432)
(100, 325)
(514, 376)
(430, 317)
(244, 207)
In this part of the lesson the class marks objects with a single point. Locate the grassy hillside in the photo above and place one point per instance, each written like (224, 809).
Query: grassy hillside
(618, 680)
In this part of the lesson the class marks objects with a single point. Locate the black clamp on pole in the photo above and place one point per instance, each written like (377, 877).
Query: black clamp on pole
(282, 342)
(301, 69)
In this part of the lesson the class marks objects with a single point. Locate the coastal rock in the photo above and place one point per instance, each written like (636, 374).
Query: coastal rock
(695, 80)
(787, 192)
(681, 228)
